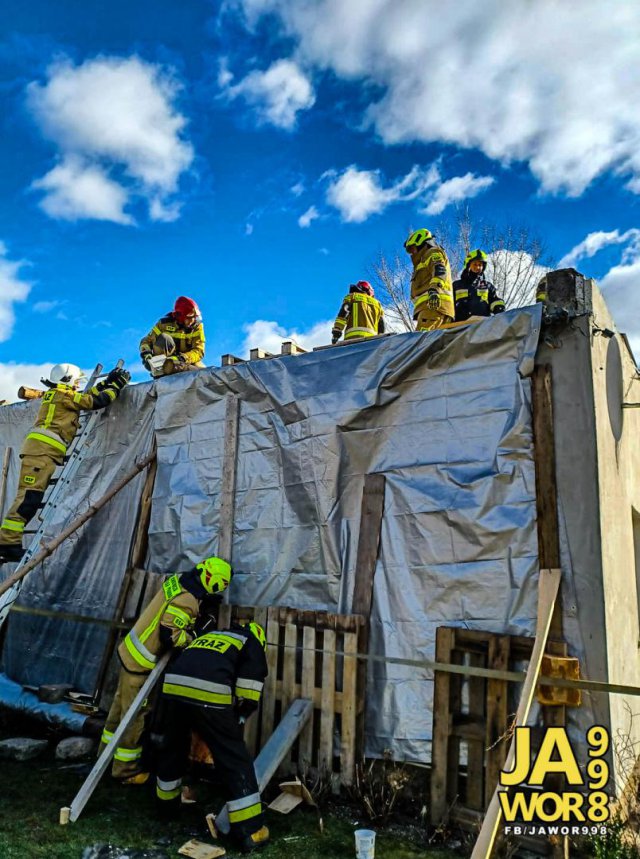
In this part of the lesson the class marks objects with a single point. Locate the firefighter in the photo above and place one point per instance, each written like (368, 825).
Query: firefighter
(361, 314)
(211, 688)
(431, 288)
(168, 621)
(541, 290)
(475, 296)
(45, 446)
(178, 336)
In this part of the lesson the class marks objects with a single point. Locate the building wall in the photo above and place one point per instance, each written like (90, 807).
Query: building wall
(619, 492)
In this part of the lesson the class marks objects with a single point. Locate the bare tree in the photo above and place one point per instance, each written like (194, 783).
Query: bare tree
(517, 260)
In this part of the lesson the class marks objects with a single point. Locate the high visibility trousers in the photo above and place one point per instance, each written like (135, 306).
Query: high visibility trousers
(219, 729)
(431, 320)
(126, 761)
(35, 474)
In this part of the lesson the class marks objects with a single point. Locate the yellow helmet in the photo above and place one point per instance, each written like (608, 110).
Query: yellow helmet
(417, 238)
(477, 254)
(258, 631)
(215, 574)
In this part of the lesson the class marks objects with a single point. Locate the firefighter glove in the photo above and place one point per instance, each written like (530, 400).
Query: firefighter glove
(146, 357)
(118, 378)
(433, 301)
(335, 336)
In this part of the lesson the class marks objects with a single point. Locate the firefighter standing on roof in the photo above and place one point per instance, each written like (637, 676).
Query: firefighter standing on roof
(210, 688)
(475, 296)
(361, 314)
(178, 336)
(167, 622)
(431, 289)
(45, 446)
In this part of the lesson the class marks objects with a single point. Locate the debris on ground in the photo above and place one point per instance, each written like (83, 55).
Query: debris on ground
(22, 748)
(75, 748)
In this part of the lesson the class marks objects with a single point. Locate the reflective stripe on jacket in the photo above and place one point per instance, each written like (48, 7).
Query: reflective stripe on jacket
(475, 296)
(190, 344)
(173, 609)
(360, 316)
(431, 273)
(218, 668)
(57, 420)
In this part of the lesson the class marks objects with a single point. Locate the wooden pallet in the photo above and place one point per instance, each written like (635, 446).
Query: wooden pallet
(471, 719)
(304, 655)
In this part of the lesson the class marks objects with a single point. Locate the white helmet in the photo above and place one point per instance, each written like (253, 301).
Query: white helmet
(67, 374)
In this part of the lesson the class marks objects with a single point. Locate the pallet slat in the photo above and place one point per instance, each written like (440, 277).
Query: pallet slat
(327, 716)
(348, 715)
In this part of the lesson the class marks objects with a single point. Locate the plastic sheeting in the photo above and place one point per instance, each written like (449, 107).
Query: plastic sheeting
(445, 416)
(13, 696)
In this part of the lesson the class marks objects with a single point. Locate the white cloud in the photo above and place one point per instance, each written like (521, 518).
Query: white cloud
(297, 189)
(269, 336)
(620, 290)
(548, 83)
(310, 215)
(358, 194)
(248, 229)
(457, 189)
(12, 290)
(277, 94)
(119, 136)
(594, 243)
(515, 275)
(13, 375)
(74, 191)
(46, 306)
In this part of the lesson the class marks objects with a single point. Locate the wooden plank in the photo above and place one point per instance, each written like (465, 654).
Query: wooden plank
(277, 746)
(546, 491)
(289, 664)
(348, 716)
(325, 750)
(269, 697)
(3, 479)
(288, 673)
(368, 543)
(497, 714)
(441, 727)
(476, 747)
(224, 616)
(99, 768)
(308, 691)
(455, 706)
(228, 489)
(548, 587)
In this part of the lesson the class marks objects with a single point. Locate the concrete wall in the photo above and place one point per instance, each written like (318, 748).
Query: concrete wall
(618, 453)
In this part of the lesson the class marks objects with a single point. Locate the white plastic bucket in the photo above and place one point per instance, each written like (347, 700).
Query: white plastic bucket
(365, 843)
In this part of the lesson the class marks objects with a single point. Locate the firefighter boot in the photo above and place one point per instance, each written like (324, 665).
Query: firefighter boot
(11, 554)
(255, 841)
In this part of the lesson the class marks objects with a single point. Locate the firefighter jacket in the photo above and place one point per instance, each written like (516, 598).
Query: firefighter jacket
(219, 669)
(361, 315)
(166, 622)
(57, 421)
(475, 296)
(431, 273)
(189, 344)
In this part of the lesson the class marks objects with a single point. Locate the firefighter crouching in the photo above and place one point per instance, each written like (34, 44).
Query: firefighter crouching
(361, 314)
(475, 296)
(46, 444)
(178, 338)
(431, 288)
(210, 688)
(167, 622)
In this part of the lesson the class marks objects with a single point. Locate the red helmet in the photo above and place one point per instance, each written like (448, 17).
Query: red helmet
(364, 286)
(184, 308)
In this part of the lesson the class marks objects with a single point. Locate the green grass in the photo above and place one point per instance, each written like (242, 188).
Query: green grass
(32, 794)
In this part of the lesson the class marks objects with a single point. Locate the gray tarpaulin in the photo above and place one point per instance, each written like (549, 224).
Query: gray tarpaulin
(446, 418)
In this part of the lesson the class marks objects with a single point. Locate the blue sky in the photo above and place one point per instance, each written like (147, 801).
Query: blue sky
(257, 155)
